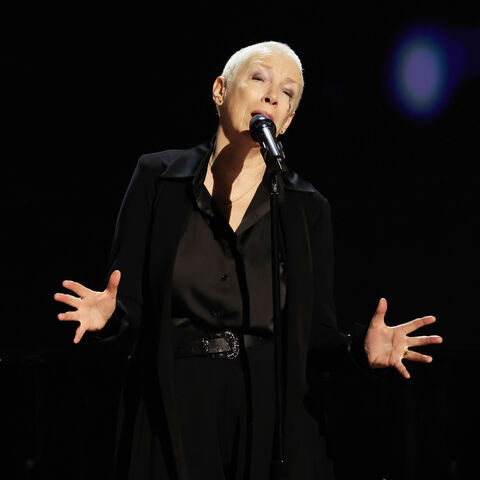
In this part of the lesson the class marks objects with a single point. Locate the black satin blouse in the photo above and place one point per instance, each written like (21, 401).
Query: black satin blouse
(222, 279)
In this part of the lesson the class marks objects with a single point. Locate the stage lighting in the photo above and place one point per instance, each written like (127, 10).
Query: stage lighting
(425, 66)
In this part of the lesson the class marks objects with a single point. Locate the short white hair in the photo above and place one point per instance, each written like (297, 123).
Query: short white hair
(234, 63)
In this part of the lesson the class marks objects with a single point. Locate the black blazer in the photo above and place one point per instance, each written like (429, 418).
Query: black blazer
(150, 222)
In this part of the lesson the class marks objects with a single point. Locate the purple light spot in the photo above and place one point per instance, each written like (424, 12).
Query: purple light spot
(421, 73)
(424, 67)
(421, 76)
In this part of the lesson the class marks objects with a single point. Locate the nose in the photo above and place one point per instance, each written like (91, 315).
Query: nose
(271, 97)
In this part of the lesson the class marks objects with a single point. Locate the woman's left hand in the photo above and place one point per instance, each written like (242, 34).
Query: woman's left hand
(389, 346)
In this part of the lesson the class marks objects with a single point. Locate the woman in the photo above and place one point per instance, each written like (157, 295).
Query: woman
(193, 244)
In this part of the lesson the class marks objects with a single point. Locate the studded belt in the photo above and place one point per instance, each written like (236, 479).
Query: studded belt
(218, 345)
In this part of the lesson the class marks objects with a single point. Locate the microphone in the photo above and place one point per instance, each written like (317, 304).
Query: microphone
(263, 130)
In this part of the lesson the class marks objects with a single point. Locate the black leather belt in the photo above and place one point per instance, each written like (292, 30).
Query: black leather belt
(218, 345)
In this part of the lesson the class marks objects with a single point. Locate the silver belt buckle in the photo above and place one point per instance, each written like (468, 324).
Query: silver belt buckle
(233, 343)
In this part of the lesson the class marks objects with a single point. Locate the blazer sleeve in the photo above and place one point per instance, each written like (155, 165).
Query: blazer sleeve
(325, 334)
(128, 254)
(329, 345)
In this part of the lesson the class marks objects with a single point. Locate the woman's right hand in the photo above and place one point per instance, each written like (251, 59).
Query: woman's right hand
(93, 309)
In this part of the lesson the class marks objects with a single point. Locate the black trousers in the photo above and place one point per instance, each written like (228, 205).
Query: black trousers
(227, 414)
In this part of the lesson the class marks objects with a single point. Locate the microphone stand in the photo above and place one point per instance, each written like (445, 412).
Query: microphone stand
(279, 461)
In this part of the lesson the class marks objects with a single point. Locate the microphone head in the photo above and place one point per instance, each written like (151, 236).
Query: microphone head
(257, 123)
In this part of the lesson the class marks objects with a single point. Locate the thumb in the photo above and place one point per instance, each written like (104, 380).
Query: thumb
(380, 312)
(113, 282)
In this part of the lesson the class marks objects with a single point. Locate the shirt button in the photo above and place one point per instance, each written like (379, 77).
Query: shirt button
(224, 277)
(217, 313)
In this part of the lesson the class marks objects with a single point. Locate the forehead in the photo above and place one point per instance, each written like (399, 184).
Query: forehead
(279, 62)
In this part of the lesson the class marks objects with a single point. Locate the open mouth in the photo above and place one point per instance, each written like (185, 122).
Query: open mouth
(255, 112)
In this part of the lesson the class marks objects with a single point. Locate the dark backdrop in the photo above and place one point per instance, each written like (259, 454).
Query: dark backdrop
(85, 93)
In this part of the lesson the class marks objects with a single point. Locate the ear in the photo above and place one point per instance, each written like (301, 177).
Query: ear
(218, 90)
(287, 123)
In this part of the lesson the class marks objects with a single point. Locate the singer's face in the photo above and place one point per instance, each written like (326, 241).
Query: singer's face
(268, 83)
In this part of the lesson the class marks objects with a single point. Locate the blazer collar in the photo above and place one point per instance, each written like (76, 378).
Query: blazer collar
(187, 162)
(190, 161)
(295, 182)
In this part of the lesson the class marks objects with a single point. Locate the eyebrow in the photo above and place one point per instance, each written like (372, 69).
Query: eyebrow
(287, 79)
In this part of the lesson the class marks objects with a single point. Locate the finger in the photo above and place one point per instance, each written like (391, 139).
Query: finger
(418, 323)
(379, 316)
(76, 287)
(418, 357)
(402, 369)
(68, 299)
(423, 340)
(113, 282)
(79, 334)
(69, 316)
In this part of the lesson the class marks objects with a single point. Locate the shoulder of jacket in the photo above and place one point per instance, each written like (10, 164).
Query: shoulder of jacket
(293, 182)
(173, 163)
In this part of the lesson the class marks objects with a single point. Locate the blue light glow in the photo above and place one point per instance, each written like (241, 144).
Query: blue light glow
(425, 67)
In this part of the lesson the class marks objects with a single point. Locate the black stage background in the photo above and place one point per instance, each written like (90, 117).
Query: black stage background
(85, 93)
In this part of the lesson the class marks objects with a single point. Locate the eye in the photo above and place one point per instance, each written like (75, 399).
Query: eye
(288, 93)
(257, 77)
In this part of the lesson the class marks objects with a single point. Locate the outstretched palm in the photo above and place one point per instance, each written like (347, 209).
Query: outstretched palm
(93, 309)
(388, 346)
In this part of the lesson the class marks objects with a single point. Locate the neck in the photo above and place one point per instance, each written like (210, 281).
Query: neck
(234, 157)
(235, 170)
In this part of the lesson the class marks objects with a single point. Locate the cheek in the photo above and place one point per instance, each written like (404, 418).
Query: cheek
(239, 105)
(247, 95)
(284, 124)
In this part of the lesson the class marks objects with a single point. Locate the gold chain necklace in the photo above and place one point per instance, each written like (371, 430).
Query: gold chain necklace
(231, 202)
